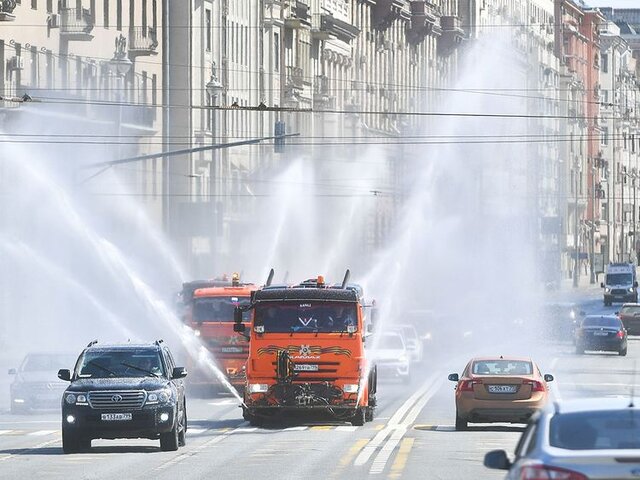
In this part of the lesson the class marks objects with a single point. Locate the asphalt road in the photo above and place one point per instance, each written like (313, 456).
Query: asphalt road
(411, 437)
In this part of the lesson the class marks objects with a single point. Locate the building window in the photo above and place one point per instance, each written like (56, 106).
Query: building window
(34, 4)
(604, 62)
(207, 26)
(276, 52)
(604, 136)
(119, 15)
(49, 6)
(105, 13)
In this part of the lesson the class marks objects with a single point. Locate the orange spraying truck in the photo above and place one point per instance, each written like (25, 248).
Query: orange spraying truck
(211, 316)
(306, 352)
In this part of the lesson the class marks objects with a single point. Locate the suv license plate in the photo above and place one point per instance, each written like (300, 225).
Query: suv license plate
(115, 417)
(502, 388)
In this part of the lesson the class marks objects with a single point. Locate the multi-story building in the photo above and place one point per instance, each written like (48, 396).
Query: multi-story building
(91, 67)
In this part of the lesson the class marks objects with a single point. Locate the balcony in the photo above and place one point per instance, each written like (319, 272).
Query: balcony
(330, 27)
(452, 34)
(321, 97)
(6, 10)
(140, 116)
(143, 41)
(295, 77)
(386, 12)
(76, 24)
(299, 17)
(424, 21)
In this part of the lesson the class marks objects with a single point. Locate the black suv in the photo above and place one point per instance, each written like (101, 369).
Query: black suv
(124, 391)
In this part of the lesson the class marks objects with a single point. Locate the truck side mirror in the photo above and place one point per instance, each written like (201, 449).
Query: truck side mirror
(239, 327)
(237, 315)
(635, 284)
(64, 374)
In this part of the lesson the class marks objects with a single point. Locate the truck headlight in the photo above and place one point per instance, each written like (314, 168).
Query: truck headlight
(159, 396)
(258, 388)
(350, 388)
(403, 358)
(630, 289)
(607, 290)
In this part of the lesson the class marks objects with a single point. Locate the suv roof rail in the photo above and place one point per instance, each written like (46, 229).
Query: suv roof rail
(159, 341)
(92, 343)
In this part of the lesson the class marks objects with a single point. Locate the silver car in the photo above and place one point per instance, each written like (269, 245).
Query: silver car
(587, 439)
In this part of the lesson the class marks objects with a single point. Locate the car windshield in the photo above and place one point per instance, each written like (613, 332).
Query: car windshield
(391, 342)
(218, 309)
(630, 310)
(601, 322)
(306, 316)
(618, 279)
(46, 362)
(502, 367)
(120, 363)
(613, 429)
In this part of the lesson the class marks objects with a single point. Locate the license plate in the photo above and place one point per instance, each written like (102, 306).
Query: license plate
(305, 367)
(600, 334)
(115, 417)
(502, 388)
(231, 349)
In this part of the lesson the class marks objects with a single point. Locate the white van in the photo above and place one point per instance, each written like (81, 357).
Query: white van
(620, 283)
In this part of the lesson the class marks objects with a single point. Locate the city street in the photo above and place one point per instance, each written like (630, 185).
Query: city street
(412, 435)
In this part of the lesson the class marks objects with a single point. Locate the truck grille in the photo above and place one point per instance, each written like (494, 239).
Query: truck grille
(618, 292)
(129, 400)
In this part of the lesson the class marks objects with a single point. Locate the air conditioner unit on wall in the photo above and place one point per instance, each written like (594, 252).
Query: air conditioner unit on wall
(53, 21)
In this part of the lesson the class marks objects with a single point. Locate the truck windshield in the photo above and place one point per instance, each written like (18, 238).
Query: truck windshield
(218, 309)
(619, 279)
(310, 317)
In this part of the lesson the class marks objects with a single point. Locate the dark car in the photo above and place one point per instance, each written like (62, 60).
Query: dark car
(630, 316)
(124, 391)
(34, 387)
(601, 332)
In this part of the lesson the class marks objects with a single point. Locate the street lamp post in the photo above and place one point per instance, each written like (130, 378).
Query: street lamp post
(214, 90)
(622, 239)
(120, 65)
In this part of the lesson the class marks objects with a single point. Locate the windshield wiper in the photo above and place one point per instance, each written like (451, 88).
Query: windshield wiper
(148, 372)
(110, 372)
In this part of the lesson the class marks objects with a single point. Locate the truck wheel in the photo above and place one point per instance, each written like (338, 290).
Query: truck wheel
(360, 417)
(169, 441)
(461, 423)
(369, 414)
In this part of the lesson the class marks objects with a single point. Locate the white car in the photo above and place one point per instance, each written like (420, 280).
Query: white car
(590, 439)
(413, 342)
(390, 356)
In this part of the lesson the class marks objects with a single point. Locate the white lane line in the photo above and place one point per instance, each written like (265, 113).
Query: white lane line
(223, 402)
(243, 430)
(372, 446)
(346, 428)
(42, 433)
(295, 429)
(5, 432)
(380, 462)
(196, 431)
(24, 450)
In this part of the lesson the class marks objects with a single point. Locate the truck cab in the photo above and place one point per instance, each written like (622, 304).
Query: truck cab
(211, 317)
(306, 353)
(621, 284)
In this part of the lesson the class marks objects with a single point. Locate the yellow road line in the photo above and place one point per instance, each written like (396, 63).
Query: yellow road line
(379, 427)
(401, 458)
(322, 427)
(348, 457)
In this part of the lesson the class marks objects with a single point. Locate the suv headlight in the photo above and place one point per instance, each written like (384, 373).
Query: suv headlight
(76, 399)
(159, 396)
(607, 290)
(630, 289)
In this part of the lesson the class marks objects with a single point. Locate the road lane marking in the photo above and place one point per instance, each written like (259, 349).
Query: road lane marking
(348, 457)
(321, 427)
(221, 403)
(5, 432)
(42, 433)
(346, 428)
(401, 458)
(22, 451)
(196, 431)
(295, 429)
(380, 437)
(380, 462)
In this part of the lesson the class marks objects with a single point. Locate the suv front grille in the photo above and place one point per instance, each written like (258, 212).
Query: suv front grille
(129, 399)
